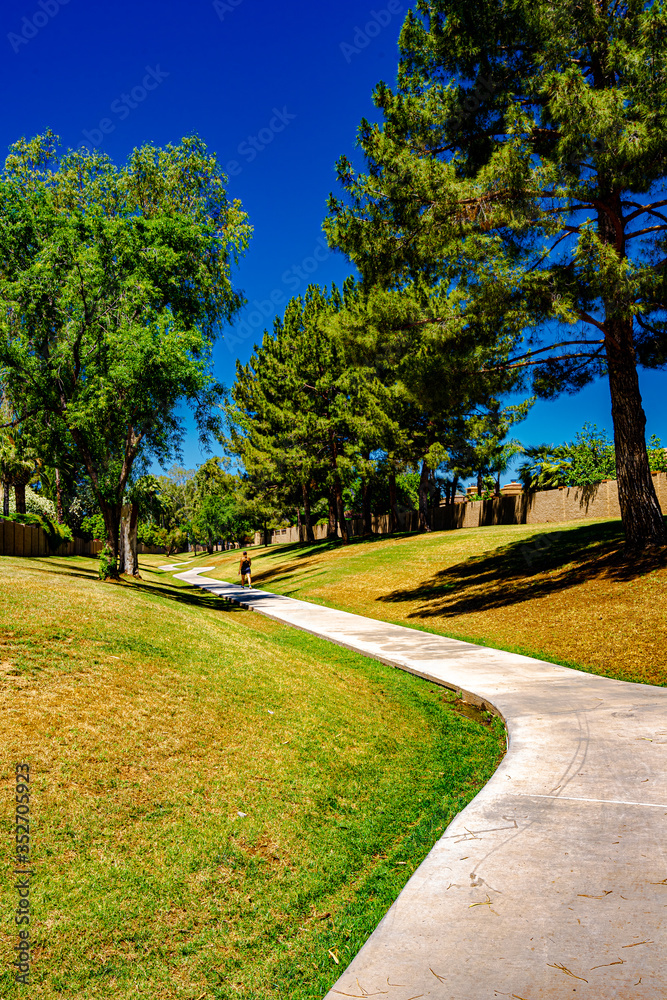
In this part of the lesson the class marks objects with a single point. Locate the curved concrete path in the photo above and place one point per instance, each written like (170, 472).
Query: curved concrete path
(552, 882)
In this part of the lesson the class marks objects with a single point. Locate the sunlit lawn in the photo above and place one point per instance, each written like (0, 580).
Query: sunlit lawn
(221, 806)
(561, 592)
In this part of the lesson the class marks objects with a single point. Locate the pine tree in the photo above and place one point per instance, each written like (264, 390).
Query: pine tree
(301, 413)
(518, 179)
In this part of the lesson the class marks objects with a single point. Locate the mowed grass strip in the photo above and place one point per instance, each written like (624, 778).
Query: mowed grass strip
(558, 592)
(221, 806)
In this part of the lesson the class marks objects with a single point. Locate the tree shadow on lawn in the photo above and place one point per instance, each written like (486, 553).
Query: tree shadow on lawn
(53, 566)
(288, 574)
(182, 595)
(532, 567)
(194, 597)
(307, 552)
(303, 550)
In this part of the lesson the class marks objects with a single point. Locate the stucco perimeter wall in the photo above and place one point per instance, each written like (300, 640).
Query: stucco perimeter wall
(544, 507)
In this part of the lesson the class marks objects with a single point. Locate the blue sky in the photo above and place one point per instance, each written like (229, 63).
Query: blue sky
(276, 90)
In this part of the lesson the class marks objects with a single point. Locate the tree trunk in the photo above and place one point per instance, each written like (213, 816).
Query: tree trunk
(19, 493)
(498, 485)
(128, 561)
(434, 495)
(424, 513)
(332, 527)
(5, 499)
(111, 513)
(480, 483)
(310, 535)
(59, 498)
(340, 510)
(366, 507)
(265, 534)
(336, 494)
(298, 523)
(394, 523)
(640, 511)
(642, 518)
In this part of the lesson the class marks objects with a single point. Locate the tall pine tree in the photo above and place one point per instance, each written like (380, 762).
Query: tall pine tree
(300, 412)
(519, 173)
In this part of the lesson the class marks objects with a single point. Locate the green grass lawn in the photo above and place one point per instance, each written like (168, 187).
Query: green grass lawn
(222, 807)
(561, 592)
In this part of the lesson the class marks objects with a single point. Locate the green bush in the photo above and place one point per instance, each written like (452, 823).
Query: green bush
(105, 564)
(150, 534)
(93, 525)
(176, 540)
(657, 455)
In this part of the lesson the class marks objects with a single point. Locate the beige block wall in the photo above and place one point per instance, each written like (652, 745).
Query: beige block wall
(544, 507)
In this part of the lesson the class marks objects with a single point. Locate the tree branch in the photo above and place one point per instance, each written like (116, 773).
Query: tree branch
(643, 209)
(643, 232)
(540, 361)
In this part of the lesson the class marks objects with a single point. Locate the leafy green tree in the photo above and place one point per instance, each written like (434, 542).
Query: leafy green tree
(586, 460)
(300, 412)
(177, 488)
(142, 499)
(657, 455)
(17, 460)
(481, 448)
(440, 387)
(218, 505)
(113, 286)
(518, 177)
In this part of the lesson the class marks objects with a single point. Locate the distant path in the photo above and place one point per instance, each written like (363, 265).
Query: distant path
(552, 883)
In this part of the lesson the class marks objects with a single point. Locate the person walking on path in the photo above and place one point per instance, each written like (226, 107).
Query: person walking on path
(244, 570)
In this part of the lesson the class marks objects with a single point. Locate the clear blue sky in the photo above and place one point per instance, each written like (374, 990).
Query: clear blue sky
(276, 90)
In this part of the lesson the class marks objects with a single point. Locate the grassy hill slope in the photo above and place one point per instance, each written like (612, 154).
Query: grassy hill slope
(558, 592)
(221, 806)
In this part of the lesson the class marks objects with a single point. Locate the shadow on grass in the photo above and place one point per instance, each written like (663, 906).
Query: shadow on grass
(532, 567)
(304, 549)
(307, 551)
(195, 597)
(53, 566)
(181, 595)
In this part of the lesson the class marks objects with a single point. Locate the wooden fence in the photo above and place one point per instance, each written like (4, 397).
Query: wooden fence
(31, 540)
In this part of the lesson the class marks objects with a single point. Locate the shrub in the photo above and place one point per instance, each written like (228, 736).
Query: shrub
(175, 541)
(93, 525)
(105, 563)
(657, 455)
(35, 504)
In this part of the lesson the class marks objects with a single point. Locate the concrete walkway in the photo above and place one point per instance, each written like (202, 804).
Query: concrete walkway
(552, 882)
